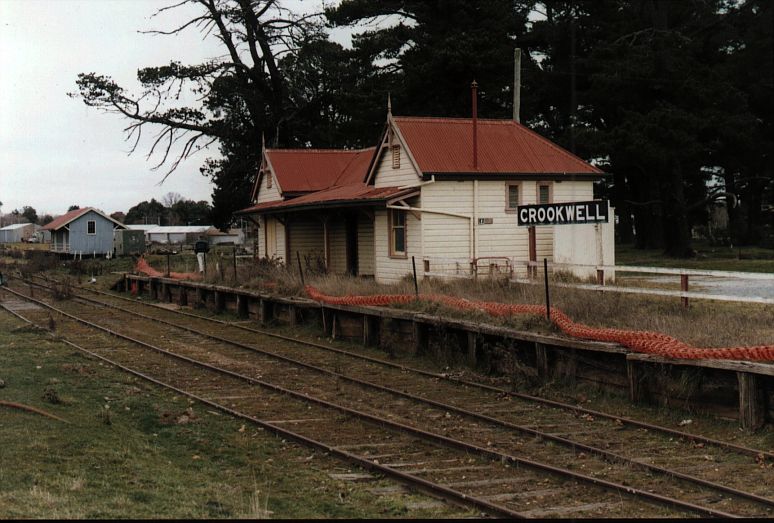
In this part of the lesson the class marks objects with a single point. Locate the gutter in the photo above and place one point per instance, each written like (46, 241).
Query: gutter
(559, 177)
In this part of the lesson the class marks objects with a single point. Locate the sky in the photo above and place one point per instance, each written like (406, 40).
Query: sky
(56, 152)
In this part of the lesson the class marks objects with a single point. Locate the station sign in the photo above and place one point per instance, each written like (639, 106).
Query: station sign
(567, 213)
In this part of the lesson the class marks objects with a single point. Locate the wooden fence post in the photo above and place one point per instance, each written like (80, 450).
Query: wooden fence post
(267, 311)
(182, 298)
(420, 337)
(684, 288)
(752, 407)
(220, 302)
(635, 377)
(541, 360)
(370, 330)
(472, 354)
(243, 310)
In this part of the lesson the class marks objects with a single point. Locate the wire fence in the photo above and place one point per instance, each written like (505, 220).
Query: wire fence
(731, 286)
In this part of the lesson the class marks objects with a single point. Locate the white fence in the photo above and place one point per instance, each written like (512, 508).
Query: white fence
(760, 284)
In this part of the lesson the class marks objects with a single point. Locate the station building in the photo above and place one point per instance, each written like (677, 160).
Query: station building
(443, 191)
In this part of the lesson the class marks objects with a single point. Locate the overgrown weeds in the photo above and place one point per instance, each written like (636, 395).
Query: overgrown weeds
(62, 291)
(704, 324)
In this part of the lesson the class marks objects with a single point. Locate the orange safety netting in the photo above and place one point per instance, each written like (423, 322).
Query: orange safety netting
(639, 341)
(145, 268)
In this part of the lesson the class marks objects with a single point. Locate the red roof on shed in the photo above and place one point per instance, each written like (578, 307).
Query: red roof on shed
(75, 214)
(304, 170)
(445, 145)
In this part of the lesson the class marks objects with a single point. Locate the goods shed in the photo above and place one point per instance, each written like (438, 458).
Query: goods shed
(17, 232)
(86, 231)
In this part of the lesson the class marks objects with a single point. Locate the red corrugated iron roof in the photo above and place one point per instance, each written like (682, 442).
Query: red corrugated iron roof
(73, 215)
(445, 145)
(305, 170)
(356, 193)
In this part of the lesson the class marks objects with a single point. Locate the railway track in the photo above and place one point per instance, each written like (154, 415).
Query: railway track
(546, 466)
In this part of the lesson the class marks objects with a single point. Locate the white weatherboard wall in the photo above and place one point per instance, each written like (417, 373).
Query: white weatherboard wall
(586, 244)
(386, 176)
(306, 238)
(561, 192)
(391, 270)
(279, 243)
(268, 194)
(337, 233)
(445, 236)
(502, 237)
(448, 237)
(260, 239)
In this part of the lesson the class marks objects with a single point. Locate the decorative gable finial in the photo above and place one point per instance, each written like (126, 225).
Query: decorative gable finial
(389, 105)
(263, 141)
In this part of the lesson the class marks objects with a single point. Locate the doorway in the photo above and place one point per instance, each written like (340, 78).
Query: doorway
(352, 258)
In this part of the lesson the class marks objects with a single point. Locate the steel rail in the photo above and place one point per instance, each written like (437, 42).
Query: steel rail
(428, 436)
(575, 446)
(426, 486)
(553, 403)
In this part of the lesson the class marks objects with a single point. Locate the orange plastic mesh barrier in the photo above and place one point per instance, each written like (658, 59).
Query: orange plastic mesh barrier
(639, 341)
(145, 268)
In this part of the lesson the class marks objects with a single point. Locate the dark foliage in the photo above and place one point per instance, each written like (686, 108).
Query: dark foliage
(674, 99)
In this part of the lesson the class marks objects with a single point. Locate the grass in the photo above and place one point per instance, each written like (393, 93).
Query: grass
(708, 257)
(704, 324)
(129, 452)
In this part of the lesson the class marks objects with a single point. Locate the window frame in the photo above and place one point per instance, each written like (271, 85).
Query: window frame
(391, 227)
(508, 185)
(88, 223)
(550, 186)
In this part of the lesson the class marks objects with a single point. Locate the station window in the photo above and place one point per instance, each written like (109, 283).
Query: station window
(397, 233)
(91, 227)
(544, 193)
(512, 196)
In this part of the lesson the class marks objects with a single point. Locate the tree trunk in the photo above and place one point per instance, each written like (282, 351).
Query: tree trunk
(624, 229)
(676, 227)
(648, 219)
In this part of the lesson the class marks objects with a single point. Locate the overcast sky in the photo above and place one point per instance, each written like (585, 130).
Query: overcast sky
(56, 152)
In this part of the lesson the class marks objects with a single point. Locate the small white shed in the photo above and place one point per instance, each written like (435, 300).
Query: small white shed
(177, 233)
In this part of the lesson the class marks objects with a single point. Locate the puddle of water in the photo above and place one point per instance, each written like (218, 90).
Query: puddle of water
(710, 285)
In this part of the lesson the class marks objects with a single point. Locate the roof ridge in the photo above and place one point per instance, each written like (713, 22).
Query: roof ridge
(349, 163)
(459, 119)
(312, 150)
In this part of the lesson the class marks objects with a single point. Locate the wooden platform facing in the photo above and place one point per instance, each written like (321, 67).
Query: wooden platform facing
(740, 389)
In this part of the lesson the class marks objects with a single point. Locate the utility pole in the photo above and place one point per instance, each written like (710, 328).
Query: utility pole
(517, 85)
(573, 86)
